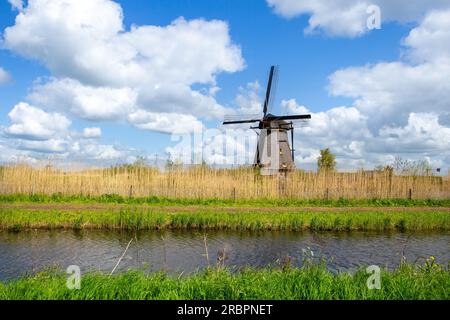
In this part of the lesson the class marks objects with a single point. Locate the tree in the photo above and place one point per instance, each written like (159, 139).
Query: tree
(326, 161)
(173, 165)
(412, 168)
(387, 168)
(140, 162)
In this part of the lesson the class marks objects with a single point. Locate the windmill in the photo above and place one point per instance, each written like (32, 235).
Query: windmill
(274, 154)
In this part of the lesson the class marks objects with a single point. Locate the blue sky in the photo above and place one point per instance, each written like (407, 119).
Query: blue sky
(267, 32)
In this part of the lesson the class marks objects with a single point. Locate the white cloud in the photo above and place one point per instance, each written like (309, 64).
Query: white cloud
(100, 71)
(248, 105)
(5, 77)
(31, 123)
(349, 17)
(16, 4)
(86, 102)
(164, 122)
(73, 42)
(105, 72)
(214, 146)
(388, 92)
(430, 41)
(248, 99)
(291, 107)
(92, 133)
(35, 135)
(9, 154)
(343, 129)
(172, 97)
(99, 152)
(400, 107)
(421, 134)
(45, 146)
(68, 150)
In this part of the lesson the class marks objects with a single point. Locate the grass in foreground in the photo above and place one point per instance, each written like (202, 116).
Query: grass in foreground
(313, 282)
(207, 219)
(117, 199)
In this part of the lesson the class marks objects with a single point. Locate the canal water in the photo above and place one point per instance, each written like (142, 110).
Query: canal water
(185, 251)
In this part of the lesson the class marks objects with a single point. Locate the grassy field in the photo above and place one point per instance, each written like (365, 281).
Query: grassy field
(312, 282)
(117, 199)
(214, 218)
(226, 184)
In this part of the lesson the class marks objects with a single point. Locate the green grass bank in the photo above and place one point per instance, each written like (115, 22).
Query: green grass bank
(313, 282)
(116, 199)
(215, 219)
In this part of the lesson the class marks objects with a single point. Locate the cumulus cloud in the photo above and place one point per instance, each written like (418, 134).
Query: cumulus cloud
(31, 123)
(74, 147)
(70, 39)
(343, 129)
(92, 133)
(16, 4)
(5, 77)
(422, 134)
(430, 41)
(164, 122)
(215, 146)
(390, 91)
(46, 146)
(35, 135)
(248, 99)
(101, 153)
(103, 72)
(85, 102)
(349, 17)
(400, 107)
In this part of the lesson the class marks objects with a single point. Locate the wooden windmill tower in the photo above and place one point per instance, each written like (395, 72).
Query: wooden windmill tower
(274, 154)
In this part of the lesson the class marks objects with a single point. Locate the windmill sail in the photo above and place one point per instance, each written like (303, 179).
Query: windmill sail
(236, 119)
(292, 117)
(268, 90)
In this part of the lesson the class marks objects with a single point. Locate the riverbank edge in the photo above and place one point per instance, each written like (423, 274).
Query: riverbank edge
(409, 282)
(151, 200)
(136, 219)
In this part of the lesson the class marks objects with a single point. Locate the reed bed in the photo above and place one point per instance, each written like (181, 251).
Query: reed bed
(207, 183)
(148, 219)
(307, 283)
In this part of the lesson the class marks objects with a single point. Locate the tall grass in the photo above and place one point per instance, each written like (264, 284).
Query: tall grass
(313, 282)
(207, 183)
(204, 219)
(58, 198)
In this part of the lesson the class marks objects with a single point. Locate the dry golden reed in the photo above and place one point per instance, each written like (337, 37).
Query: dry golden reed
(206, 183)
